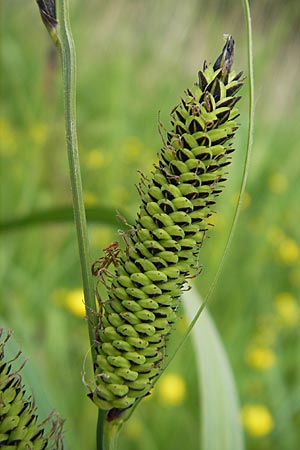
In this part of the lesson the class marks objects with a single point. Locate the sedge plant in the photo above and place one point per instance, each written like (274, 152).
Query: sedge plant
(20, 428)
(146, 272)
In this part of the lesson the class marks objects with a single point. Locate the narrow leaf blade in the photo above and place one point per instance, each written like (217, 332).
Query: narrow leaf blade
(101, 214)
(221, 426)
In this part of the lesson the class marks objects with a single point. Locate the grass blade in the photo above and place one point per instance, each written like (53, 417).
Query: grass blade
(221, 428)
(64, 214)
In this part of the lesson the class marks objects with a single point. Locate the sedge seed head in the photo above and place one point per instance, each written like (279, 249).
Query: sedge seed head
(19, 425)
(145, 279)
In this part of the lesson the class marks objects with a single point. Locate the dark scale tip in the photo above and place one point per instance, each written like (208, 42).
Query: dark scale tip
(202, 80)
(225, 60)
(114, 413)
(48, 12)
(234, 89)
(238, 76)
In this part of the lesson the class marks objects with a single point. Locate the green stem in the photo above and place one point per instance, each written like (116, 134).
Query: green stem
(100, 430)
(111, 433)
(67, 51)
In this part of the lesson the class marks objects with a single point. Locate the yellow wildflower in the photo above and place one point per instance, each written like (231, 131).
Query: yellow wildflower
(96, 159)
(74, 302)
(288, 251)
(278, 183)
(287, 309)
(171, 389)
(261, 358)
(257, 420)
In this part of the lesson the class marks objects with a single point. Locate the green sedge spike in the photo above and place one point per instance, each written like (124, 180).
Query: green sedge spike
(161, 250)
(19, 426)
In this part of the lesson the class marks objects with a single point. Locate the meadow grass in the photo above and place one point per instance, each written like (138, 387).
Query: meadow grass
(133, 60)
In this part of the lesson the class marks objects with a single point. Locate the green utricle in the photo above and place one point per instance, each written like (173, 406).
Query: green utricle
(19, 426)
(162, 248)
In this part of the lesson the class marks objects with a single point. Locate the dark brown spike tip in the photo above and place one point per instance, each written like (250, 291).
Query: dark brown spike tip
(48, 13)
(225, 60)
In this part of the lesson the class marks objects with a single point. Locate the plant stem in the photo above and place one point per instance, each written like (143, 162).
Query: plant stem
(111, 434)
(67, 51)
(100, 426)
(68, 57)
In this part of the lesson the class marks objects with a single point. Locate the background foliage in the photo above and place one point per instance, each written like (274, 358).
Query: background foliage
(135, 58)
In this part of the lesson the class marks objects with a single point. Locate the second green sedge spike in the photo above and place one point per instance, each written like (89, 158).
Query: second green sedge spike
(162, 248)
(20, 428)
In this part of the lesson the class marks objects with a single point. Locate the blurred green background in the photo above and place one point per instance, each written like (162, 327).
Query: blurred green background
(134, 59)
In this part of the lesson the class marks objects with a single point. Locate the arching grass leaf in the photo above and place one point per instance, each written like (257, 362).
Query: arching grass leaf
(98, 214)
(221, 427)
